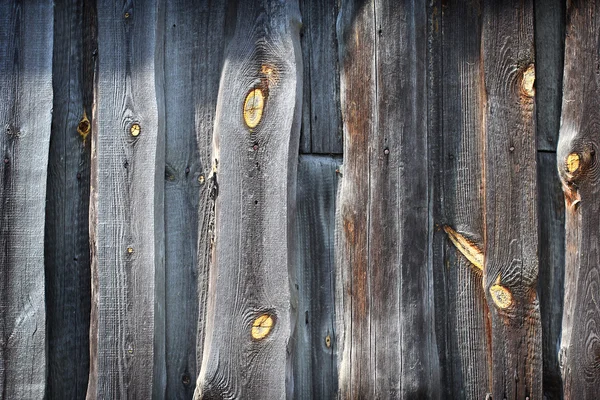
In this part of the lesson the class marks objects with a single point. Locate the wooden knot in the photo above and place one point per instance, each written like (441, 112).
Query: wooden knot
(501, 296)
(467, 248)
(328, 341)
(528, 81)
(261, 327)
(253, 108)
(83, 128)
(135, 129)
(572, 163)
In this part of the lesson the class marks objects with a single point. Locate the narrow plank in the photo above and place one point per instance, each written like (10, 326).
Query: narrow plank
(67, 252)
(552, 262)
(462, 312)
(255, 147)
(315, 364)
(386, 336)
(126, 210)
(510, 179)
(26, 33)
(577, 160)
(549, 55)
(321, 118)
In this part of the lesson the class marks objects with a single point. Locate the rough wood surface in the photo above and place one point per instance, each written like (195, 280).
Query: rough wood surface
(126, 213)
(461, 310)
(26, 32)
(321, 119)
(254, 157)
(510, 181)
(67, 252)
(384, 294)
(577, 160)
(314, 352)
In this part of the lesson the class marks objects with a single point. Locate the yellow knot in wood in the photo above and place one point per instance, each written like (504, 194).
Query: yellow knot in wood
(501, 295)
(135, 129)
(83, 128)
(466, 247)
(328, 341)
(253, 108)
(527, 84)
(572, 162)
(262, 326)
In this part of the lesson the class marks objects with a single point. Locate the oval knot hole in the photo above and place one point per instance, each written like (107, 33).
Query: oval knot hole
(83, 128)
(573, 162)
(253, 108)
(262, 326)
(501, 296)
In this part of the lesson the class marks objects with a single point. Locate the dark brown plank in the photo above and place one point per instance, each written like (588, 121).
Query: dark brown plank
(386, 338)
(321, 118)
(510, 179)
(126, 210)
(461, 310)
(315, 364)
(577, 160)
(67, 252)
(255, 147)
(26, 32)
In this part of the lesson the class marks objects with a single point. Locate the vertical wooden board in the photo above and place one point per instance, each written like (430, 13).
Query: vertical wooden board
(321, 118)
(460, 300)
(552, 261)
(126, 210)
(510, 177)
(26, 32)
(387, 341)
(315, 364)
(577, 160)
(67, 252)
(255, 147)
(549, 55)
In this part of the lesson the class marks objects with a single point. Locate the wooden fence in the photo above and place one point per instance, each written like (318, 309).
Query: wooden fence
(261, 199)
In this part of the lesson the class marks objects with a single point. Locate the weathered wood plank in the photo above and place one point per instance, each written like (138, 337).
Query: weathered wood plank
(255, 147)
(549, 55)
(386, 335)
(67, 252)
(26, 32)
(462, 313)
(577, 160)
(126, 206)
(510, 180)
(321, 118)
(552, 261)
(315, 364)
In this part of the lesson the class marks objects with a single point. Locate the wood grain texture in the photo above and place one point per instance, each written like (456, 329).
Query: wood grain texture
(461, 310)
(26, 32)
(384, 291)
(321, 118)
(253, 178)
(67, 252)
(580, 344)
(314, 353)
(126, 206)
(510, 180)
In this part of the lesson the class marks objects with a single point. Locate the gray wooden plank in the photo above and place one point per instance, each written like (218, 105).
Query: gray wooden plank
(26, 32)
(255, 147)
(461, 310)
(577, 161)
(552, 262)
(313, 339)
(386, 336)
(67, 252)
(549, 55)
(321, 118)
(126, 206)
(510, 176)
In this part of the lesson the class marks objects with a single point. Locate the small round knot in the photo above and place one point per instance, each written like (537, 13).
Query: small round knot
(261, 327)
(501, 296)
(135, 129)
(572, 162)
(253, 107)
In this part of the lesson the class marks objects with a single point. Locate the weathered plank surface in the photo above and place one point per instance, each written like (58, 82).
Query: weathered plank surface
(255, 148)
(384, 293)
(126, 210)
(193, 32)
(510, 180)
(461, 310)
(321, 118)
(315, 364)
(67, 252)
(577, 160)
(26, 32)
